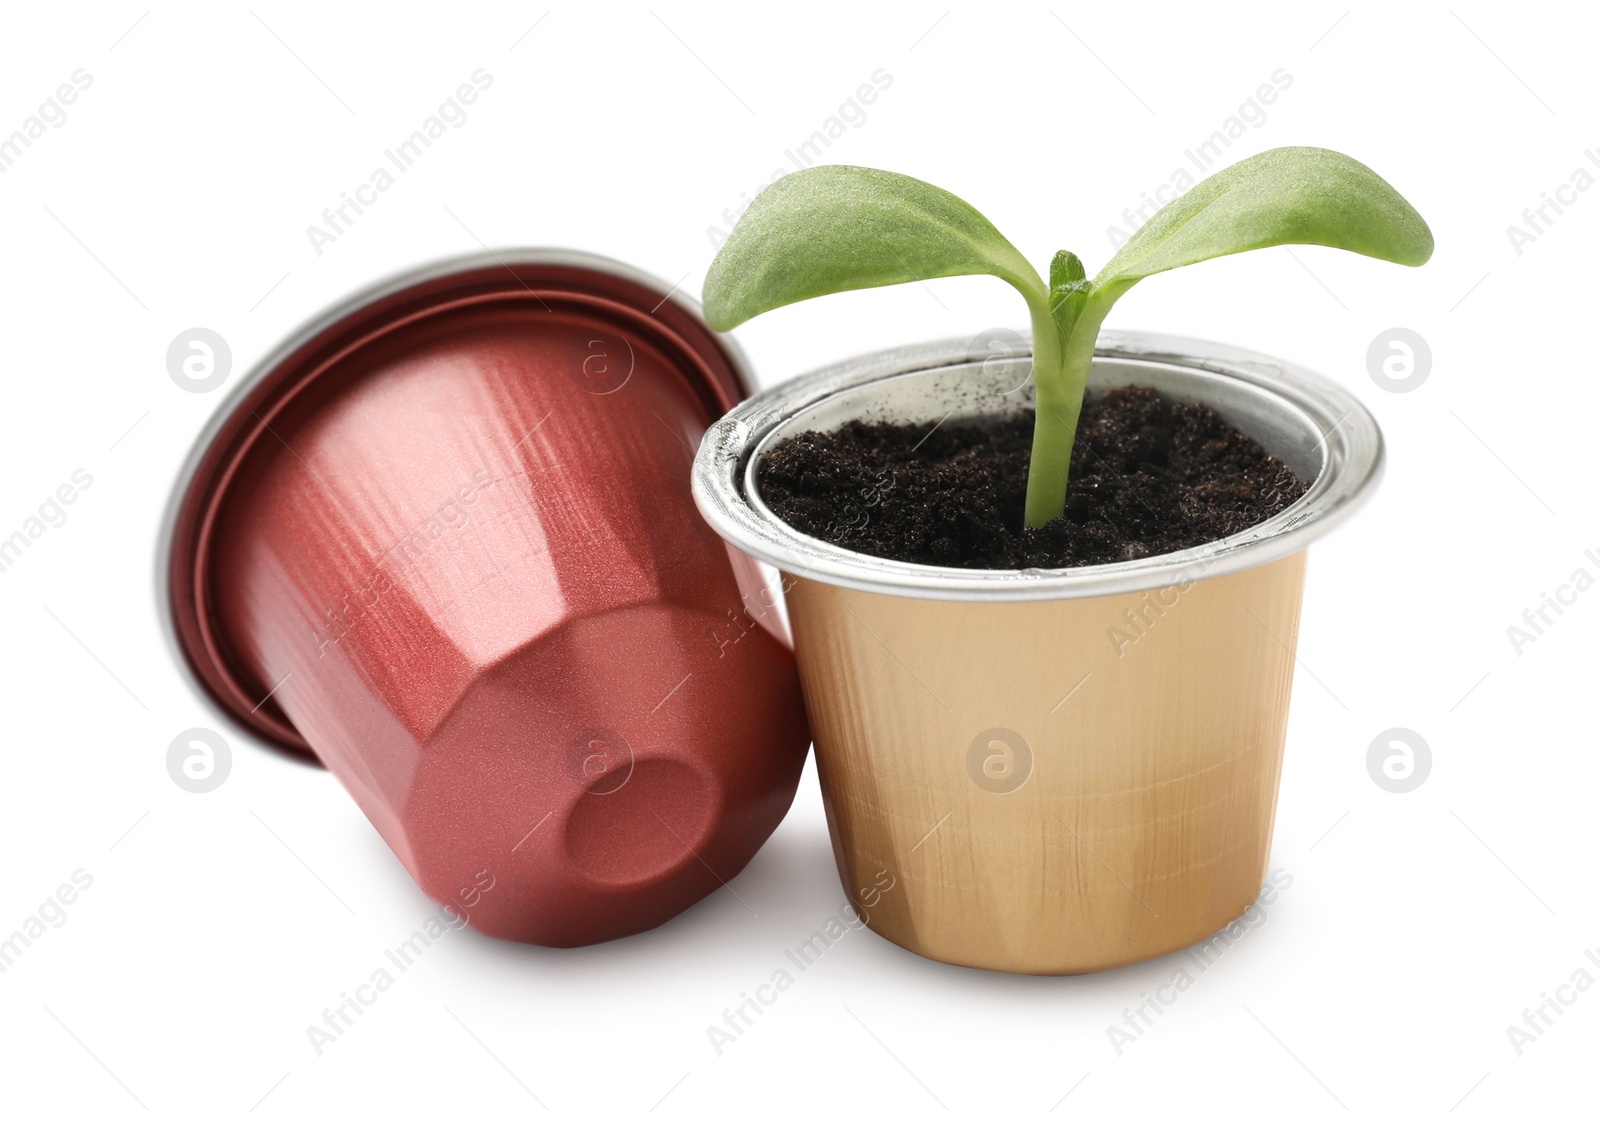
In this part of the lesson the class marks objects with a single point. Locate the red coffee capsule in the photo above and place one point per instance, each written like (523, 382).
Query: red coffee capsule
(443, 541)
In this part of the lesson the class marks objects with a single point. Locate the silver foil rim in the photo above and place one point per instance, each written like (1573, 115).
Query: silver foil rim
(1298, 414)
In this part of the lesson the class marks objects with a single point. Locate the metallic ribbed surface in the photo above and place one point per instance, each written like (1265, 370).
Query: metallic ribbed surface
(1054, 789)
(451, 534)
(1059, 770)
(1314, 425)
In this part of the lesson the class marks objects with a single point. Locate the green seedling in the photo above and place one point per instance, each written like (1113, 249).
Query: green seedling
(834, 229)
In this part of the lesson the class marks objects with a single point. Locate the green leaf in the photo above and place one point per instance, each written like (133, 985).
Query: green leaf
(836, 228)
(1069, 290)
(1286, 196)
(1066, 273)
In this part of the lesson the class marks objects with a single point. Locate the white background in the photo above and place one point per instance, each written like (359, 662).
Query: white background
(219, 926)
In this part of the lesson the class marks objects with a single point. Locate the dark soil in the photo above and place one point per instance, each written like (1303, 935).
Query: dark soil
(1149, 476)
